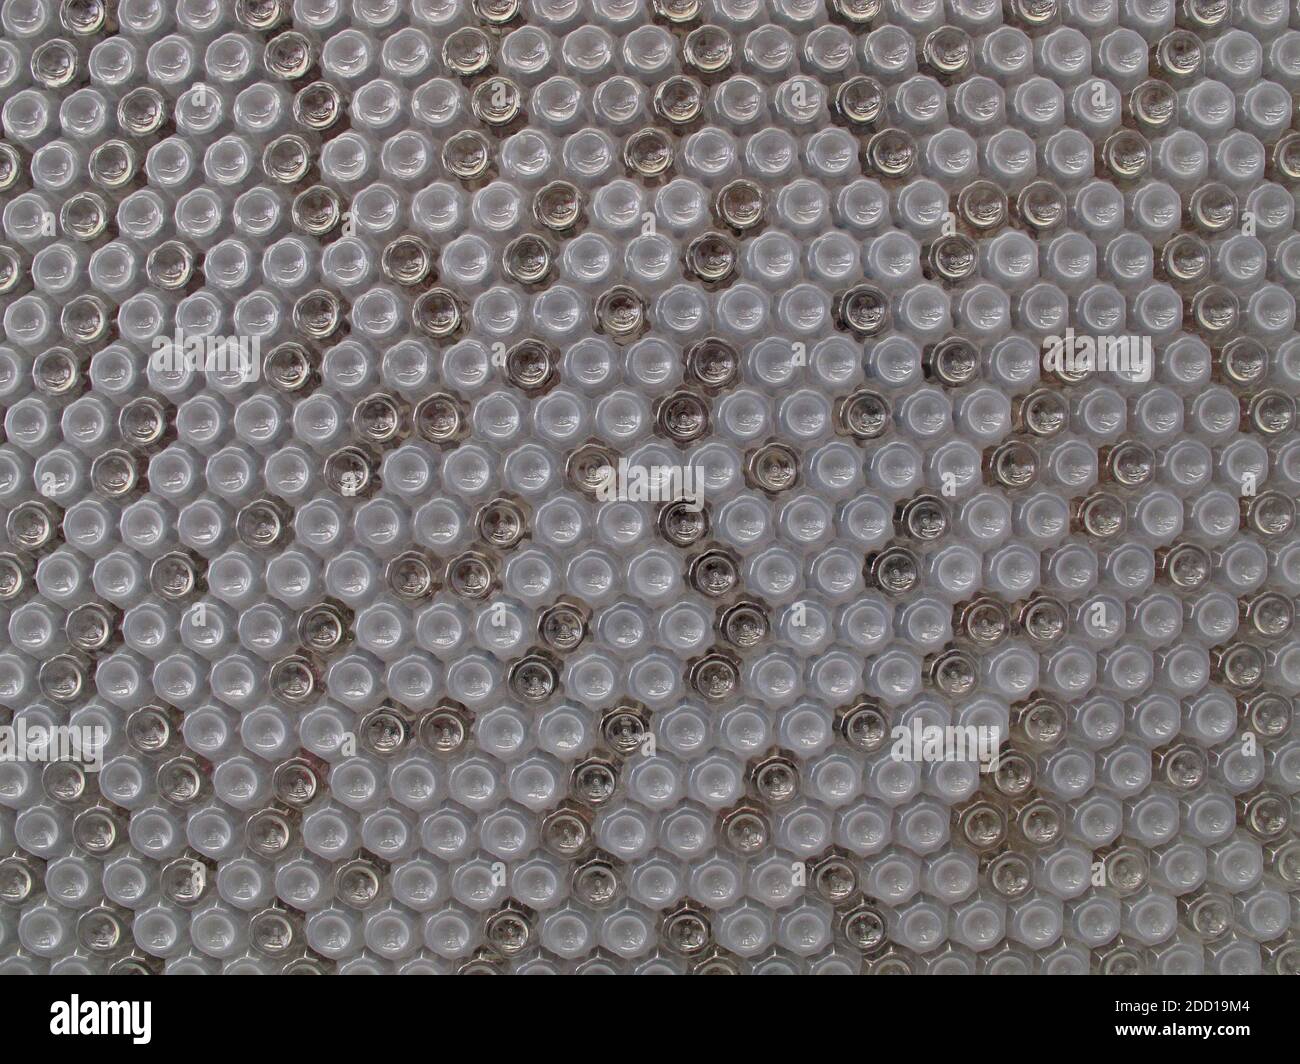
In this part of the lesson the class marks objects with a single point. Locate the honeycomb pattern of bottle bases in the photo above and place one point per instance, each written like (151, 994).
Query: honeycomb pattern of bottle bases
(551, 485)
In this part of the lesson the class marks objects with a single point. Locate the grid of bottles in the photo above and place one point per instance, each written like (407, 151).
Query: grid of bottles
(503, 481)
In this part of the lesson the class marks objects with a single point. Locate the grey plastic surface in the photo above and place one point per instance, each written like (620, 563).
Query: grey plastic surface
(932, 649)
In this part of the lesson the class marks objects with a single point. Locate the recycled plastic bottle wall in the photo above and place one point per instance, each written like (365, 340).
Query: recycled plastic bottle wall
(649, 486)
